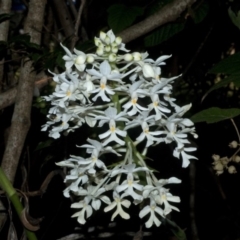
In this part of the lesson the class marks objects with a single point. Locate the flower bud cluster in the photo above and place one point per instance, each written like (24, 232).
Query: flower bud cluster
(221, 163)
(116, 93)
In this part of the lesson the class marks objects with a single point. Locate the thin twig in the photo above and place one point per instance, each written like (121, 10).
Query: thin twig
(192, 177)
(52, 34)
(73, 8)
(64, 17)
(193, 59)
(77, 24)
(235, 126)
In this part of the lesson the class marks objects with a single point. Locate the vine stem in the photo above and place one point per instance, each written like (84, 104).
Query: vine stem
(235, 126)
(236, 129)
(7, 187)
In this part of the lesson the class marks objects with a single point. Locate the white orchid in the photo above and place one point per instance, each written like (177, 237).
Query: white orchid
(125, 93)
(152, 209)
(118, 202)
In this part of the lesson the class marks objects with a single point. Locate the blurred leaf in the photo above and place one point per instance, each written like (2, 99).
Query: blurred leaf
(24, 39)
(176, 230)
(20, 38)
(35, 56)
(73, 236)
(232, 78)
(59, 61)
(155, 6)
(201, 12)
(44, 144)
(5, 16)
(163, 34)
(234, 17)
(121, 16)
(3, 45)
(86, 46)
(214, 114)
(229, 65)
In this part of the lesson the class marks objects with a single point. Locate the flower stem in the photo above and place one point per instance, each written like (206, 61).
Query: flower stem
(7, 187)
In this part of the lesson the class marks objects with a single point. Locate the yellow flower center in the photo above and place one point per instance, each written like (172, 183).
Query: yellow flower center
(68, 93)
(134, 101)
(112, 129)
(102, 86)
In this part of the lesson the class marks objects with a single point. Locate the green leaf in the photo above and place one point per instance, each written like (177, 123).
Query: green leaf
(121, 16)
(59, 61)
(214, 114)
(229, 65)
(44, 144)
(35, 56)
(162, 34)
(20, 38)
(86, 46)
(234, 17)
(24, 40)
(201, 12)
(5, 16)
(233, 78)
(176, 230)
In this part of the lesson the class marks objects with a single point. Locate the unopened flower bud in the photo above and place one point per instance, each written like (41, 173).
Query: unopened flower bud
(80, 60)
(100, 51)
(195, 135)
(218, 167)
(114, 49)
(116, 71)
(90, 59)
(219, 172)
(112, 57)
(118, 40)
(225, 160)
(137, 56)
(229, 93)
(114, 45)
(107, 40)
(148, 71)
(128, 57)
(215, 157)
(102, 36)
(233, 144)
(107, 48)
(97, 42)
(236, 159)
(232, 169)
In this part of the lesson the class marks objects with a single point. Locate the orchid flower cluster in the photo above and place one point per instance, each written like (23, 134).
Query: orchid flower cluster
(117, 93)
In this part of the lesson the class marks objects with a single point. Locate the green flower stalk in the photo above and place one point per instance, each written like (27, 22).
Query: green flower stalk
(11, 193)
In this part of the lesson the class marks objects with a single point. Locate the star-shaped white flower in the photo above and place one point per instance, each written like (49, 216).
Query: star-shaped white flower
(152, 209)
(118, 202)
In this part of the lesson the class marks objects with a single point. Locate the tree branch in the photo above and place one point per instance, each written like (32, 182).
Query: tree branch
(168, 13)
(64, 17)
(21, 115)
(5, 7)
(8, 98)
